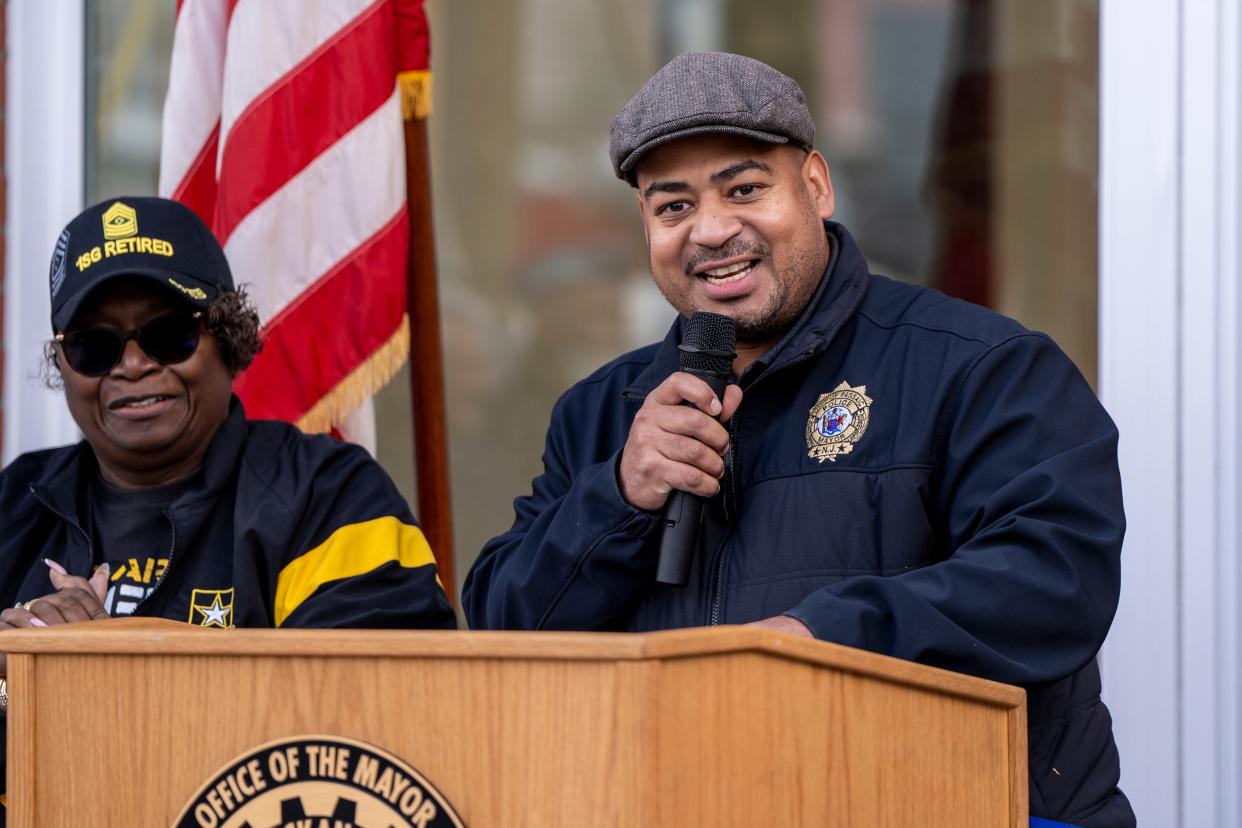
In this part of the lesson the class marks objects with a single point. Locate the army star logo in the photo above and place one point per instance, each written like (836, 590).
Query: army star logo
(212, 608)
(837, 422)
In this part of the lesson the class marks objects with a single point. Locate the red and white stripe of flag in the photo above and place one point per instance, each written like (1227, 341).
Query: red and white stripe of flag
(283, 131)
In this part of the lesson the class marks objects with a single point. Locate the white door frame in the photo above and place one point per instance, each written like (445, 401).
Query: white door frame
(1170, 337)
(44, 168)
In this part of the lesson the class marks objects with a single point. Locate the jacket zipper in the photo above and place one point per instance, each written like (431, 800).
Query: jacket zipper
(172, 548)
(90, 547)
(730, 497)
(718, 576)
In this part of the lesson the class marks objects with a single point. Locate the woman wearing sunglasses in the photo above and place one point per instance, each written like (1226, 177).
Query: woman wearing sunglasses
(175, 505)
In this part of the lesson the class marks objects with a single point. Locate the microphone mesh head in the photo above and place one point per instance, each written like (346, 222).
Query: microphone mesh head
(707, 343)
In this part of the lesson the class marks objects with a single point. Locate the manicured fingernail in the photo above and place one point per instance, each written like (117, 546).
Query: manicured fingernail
(715, 406)
(55, 567)
(37, 622)
(104, 568)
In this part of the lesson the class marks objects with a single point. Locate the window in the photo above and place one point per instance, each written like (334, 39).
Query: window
(961, 134)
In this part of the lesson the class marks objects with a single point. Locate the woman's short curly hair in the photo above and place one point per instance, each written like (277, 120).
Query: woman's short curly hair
(232, 320)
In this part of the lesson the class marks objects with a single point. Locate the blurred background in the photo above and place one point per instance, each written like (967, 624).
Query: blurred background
(961, 136)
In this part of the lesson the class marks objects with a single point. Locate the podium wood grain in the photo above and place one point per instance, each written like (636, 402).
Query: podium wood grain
(122, 722)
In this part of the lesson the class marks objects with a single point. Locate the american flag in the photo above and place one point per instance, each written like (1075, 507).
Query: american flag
(283, 131)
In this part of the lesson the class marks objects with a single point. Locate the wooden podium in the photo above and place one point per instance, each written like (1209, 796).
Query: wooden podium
(124, 722)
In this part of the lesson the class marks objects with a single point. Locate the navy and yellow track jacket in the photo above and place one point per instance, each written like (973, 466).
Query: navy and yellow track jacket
(317, 533)
(975, 523)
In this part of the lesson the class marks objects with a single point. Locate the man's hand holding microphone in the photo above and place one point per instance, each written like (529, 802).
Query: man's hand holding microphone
(675, 455)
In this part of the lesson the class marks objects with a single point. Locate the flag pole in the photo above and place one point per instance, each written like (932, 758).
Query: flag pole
(427, 360)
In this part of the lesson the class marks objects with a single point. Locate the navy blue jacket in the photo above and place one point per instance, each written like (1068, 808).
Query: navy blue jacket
(975, 524)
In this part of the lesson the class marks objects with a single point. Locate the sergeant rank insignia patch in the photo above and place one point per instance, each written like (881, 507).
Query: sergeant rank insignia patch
(838, 420)
(120, 221)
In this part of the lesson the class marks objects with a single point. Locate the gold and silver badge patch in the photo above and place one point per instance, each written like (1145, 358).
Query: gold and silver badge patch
(838, 420)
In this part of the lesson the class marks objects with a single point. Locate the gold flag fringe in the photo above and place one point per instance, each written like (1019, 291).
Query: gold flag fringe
(361, 383)
(415, 86)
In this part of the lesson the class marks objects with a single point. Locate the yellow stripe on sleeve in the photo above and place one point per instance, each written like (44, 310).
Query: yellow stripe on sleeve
(350, 551)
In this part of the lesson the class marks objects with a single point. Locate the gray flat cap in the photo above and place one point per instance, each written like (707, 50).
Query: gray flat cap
(700, 92)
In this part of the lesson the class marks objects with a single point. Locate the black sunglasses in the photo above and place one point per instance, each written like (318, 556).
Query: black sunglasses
(167, 339)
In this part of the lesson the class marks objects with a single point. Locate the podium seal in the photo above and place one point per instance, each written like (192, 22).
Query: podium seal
(318, 782)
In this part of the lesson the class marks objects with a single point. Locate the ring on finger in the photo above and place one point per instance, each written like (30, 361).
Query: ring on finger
(26, 606)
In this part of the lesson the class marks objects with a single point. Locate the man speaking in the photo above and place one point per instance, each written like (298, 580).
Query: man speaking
(889, 469)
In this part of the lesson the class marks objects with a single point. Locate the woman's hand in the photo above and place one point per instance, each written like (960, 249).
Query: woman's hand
(75, 599)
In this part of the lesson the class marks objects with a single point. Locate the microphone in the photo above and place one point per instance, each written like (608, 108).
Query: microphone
(706, 352)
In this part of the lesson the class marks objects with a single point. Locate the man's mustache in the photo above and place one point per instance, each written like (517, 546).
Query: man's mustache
(728, 251)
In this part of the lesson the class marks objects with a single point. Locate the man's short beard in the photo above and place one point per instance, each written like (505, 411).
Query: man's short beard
(788, 298)
(767, 324)
(784, 305)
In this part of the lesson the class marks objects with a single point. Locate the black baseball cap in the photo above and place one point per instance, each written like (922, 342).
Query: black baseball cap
(156, 238)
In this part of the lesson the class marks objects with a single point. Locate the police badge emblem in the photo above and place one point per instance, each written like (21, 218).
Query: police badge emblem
(838, 420)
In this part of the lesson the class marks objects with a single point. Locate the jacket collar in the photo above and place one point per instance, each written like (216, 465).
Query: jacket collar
(839, 294)
(72, 469)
